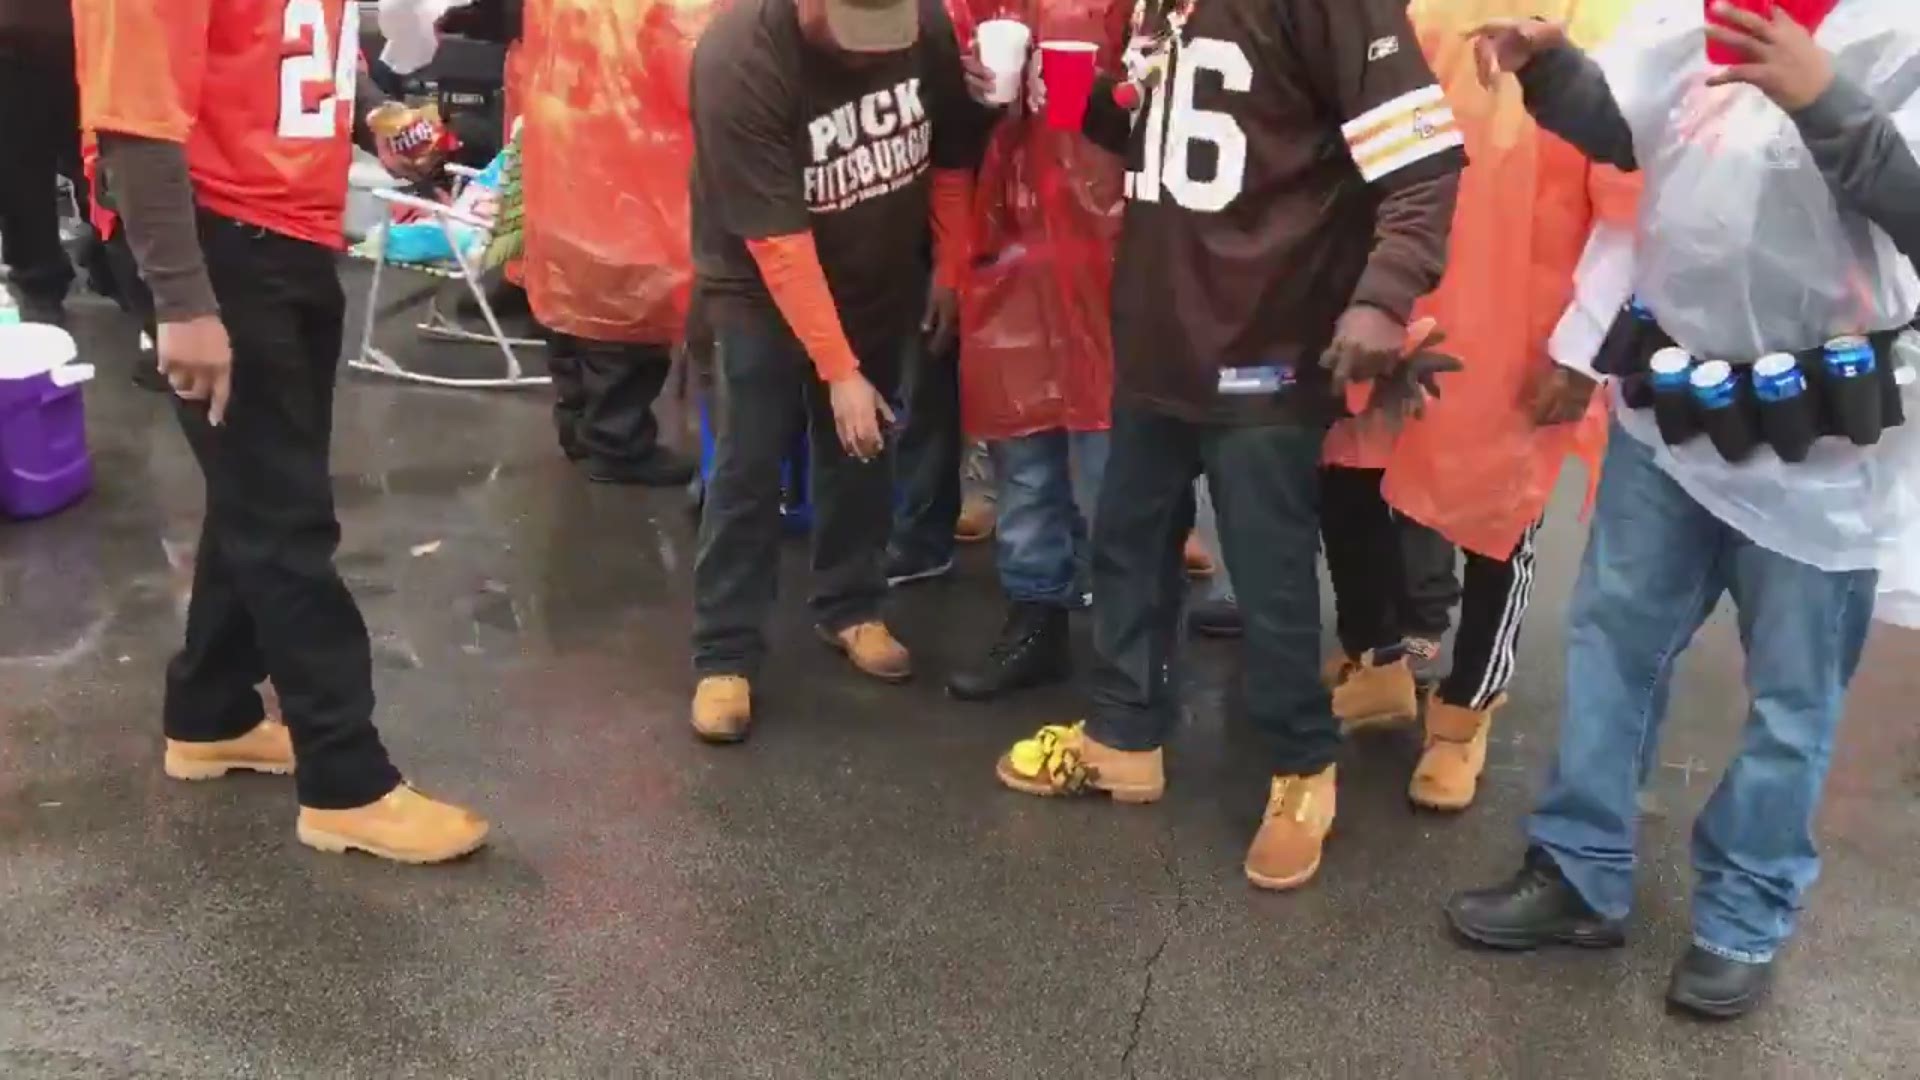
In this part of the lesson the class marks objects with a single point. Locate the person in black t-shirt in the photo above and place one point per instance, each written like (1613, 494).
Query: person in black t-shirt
(827, 135)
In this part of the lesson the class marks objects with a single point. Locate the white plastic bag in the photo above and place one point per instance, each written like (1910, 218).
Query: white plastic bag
(412, 31)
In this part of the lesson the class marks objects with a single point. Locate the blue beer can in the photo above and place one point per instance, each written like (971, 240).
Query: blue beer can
(1777, 377)
(1671, 369)
(1715, 385)
(1850, 357)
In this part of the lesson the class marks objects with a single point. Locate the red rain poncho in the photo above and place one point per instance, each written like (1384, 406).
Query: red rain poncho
(1036, 347)
(1475, 468)
(605, 153)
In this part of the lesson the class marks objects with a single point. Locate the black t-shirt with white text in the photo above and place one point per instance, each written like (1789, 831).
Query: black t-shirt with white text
(790, 138)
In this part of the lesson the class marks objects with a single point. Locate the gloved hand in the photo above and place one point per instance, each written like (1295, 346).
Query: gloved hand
(1403, 391)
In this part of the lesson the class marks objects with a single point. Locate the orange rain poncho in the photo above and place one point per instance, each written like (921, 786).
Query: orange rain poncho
(1036, 347)
(1475, 468)
(605, 153)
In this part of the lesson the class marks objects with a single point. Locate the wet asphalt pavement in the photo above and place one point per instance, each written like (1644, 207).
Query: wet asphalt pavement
(847, 895)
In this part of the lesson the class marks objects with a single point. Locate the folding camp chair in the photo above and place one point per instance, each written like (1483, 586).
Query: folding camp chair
(437, 325)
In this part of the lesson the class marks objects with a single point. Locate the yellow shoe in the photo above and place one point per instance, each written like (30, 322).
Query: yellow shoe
(1198, 560)
(1061, 760)
(1286, 851)
(722, 708)
(873, 649)
(403, 825)
(1448, 776)
(1374, 695)
(268, 748)
(977, 520)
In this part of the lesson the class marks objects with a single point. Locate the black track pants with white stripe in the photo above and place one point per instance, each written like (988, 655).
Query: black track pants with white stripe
(1492, 606)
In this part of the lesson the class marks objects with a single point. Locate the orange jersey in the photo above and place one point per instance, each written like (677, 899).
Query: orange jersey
(259, 91)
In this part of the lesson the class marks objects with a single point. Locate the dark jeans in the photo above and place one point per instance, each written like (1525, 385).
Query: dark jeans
(1393, 578)
(1265, 483)
(39, 132)
(267, 600)
(926, 460)
(766, 387)
(604, 395)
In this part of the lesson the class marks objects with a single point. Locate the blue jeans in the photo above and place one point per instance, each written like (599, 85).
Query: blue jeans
(1048, 484)
(1655, 567)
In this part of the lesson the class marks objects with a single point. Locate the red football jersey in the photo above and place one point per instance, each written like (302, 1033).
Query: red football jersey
(259, 91)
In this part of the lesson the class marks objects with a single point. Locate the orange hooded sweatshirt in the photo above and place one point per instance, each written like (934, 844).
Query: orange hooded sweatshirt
(1474, 467)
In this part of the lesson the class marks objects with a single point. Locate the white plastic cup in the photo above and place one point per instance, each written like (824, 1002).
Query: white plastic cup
(1003, 48)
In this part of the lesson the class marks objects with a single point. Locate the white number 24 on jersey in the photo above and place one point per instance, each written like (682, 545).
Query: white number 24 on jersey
(1168, 163)
(320, 73)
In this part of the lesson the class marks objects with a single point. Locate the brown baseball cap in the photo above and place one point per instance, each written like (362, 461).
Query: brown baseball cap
(873, 26)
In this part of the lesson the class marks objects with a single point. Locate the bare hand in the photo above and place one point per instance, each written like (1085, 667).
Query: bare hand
(942, 322)
(1036, 86)
(1506, 46)
(1785, 62)
(197, 360)
(1367, 343)
(979, 80)
(858, 413)
(1561, 397)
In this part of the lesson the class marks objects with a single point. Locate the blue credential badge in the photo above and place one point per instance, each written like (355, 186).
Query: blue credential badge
(1250, 381)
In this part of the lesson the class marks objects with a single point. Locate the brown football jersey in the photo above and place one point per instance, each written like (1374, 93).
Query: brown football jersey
(1293, 157)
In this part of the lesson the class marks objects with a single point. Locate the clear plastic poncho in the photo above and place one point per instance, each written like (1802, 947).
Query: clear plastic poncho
(1742, 250)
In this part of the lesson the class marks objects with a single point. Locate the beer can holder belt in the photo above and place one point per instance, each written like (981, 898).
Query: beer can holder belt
(1858, 410)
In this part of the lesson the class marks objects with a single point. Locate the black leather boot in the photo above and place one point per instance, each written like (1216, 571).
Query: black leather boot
(1707, 984)
(1032, 651)
(1536, 907)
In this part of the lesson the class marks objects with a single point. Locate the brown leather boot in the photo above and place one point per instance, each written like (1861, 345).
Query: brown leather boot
(1286, 851)
(1060, 760)
(873, 649)
(268, 748)
(977, 519)
(1448, 775)
(403, 825)
(1199, 561)
(722, 708)
(1336, 669)
(1374, 695)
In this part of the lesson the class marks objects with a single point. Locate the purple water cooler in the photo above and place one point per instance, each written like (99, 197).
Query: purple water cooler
(44, 465)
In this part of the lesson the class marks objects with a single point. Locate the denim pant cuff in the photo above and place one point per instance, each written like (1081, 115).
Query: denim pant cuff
(1741, 956)
(1133, 736)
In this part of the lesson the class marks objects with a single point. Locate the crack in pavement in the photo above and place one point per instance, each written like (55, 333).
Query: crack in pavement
(1153, 961)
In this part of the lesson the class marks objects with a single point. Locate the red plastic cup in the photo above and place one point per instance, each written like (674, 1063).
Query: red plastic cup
(1066, 67)
(1808, 13)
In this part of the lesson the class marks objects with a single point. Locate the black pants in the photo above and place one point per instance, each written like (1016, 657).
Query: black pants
(765, 390)
(1265, 483)
(604, 395)
(267, 600)
(39, 134)
(1394, 578)
(1399, 573)
(926, 463)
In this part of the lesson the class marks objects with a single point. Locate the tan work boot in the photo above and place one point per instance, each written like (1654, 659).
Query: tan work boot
(722, 708)
(1198, 560)
(873, 649)
(977, 519)
(1448, 775)
(402, 825)
(1374, 695)
(1060, 760)
(268, 748)
(1286, 851)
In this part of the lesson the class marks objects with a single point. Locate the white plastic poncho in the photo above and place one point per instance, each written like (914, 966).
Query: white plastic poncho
(1742, 251)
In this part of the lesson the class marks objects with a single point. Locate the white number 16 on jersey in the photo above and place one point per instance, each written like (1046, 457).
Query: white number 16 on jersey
(1168, 163)
(319, 75)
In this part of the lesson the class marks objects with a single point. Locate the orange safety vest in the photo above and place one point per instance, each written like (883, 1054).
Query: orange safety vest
(1474, 467)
